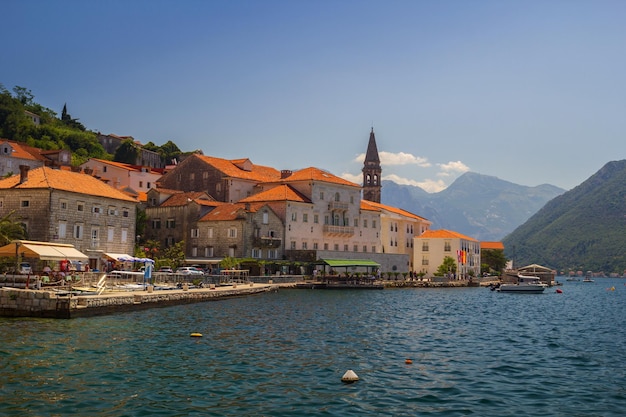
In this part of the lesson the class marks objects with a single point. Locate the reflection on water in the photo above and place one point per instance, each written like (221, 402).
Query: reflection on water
(473, 351)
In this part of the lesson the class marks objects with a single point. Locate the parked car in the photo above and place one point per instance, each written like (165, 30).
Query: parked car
(166, 269)
(25, 268)
(189, 270)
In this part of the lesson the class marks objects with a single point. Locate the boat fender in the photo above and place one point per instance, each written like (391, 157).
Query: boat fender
(408, 361)
(559, 291)
(196, 335)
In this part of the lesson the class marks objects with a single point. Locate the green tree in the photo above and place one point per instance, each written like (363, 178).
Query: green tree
(24, 95)
(176, 253)
(447, 266)
(127, 152)
(492, 260)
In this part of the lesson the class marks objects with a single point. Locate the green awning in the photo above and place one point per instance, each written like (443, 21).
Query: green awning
(340, 263)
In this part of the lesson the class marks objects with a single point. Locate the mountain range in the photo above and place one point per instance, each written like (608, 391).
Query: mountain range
(582, 229)
(483, 207)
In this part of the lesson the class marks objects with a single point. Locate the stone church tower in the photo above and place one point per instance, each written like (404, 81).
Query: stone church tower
(372, 172)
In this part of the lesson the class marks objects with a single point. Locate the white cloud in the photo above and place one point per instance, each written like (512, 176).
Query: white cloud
(451, 168)
(357, 179)
(431, 186)
(400, 158)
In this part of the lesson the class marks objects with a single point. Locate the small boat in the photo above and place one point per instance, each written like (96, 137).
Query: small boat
(525, 284)
(587, 279)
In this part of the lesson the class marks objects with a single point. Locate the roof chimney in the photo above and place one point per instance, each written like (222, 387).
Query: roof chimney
(24, 173)
(285, 173)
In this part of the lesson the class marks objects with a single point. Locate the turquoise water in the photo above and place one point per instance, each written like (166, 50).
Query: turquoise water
(474, 352)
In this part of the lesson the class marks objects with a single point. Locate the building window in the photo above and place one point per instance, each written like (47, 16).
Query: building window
(78, 231)
(194, 251)
(124, 235)
(63, 205)
(125, 213)
(205, 175)
(345, 248)
(337, 197)
(321, 195)
(96, 209)
(169, 241)
(256, 253)
(148, 185)
(364, 248)
(305, 218)
(365, 223)
(355, 248)
(446, 247)
(140, 184)
(80, 207)
(325, 246)
(266, 217)
(373, 249)
(195, 232)
(424, 261)
(170, 224)
(110, 233)
(336, 246)
(315, 245)
(304, 246)
(210, 233)
(208, 251)
(424, 246)
(156, 223)
(25, 203)
(272, 254)
(356, 222)
(232, 232)
(293, 245)
(104, 168)
(294, 217)
(192, 176)
(374, 224)
(62, 230)
(316, 218)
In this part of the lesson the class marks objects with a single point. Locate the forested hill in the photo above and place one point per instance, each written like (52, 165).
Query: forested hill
(583, 229)
(55, 132)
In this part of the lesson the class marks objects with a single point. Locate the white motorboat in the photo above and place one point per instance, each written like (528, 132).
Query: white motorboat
(525, 284)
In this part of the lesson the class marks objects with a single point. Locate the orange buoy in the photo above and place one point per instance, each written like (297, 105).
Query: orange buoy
(559, 291)
(408, 361)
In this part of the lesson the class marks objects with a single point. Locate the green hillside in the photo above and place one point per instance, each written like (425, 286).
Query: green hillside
(583, 229)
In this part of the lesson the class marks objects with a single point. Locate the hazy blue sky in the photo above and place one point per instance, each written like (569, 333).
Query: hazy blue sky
(531, 92)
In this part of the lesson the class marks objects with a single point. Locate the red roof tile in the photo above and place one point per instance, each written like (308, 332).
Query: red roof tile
(231, 168)
(391, 209)
(444, 234)
(278, 193)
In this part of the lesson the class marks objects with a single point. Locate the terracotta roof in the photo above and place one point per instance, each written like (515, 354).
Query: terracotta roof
(365, 205)
(128, 167)
(23, 151)
(444, 234)
(392, 209)
(231, 168)
(492, 245)
(278, 193)
(44, 177)
(230, 211)
(316, 174)
(182, 199)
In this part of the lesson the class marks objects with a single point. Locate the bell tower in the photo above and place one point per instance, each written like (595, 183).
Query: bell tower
(372, 172)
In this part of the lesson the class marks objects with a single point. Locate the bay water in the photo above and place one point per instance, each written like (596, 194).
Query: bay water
(472, 351)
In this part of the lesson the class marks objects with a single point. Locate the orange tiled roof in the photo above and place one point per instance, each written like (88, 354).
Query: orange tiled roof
(230, 169)
(392, 209)
(444, 234)
(365, 205)
(182, 199)
(23, 151)
(316, 174)
(492, 245)
(278, 193)
(44, 177)
(230, 211)
(128, 167)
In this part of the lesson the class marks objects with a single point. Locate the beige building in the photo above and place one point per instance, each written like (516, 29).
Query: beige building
(62, 206)
(398, 230)
(13, 154)
(134, 179)
(433, 246)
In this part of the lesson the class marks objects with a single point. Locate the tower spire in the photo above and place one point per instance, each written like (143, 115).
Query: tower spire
(372, 171)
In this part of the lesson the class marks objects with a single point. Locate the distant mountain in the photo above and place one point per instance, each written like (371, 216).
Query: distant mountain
(583, 229)
(483, 207)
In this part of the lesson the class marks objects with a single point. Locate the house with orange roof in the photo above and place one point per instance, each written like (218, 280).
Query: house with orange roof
(63, 206)
(432, 246)
(398, 229)
(13, 154)
(240, 230)
(225, 180)
(133, 179)
(175, 218)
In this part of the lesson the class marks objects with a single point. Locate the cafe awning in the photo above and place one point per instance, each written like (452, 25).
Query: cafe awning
(341, 263)
(45, 251)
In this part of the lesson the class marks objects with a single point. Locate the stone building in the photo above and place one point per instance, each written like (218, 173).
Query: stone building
(172, 216)
(241, 230)
(62, 206)
(372, 172)
(147, 158)
(225, 180)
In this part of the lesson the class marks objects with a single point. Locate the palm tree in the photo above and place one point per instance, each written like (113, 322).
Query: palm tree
(10, 229)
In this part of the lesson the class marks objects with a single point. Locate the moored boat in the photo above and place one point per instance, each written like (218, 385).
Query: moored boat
(525, 284)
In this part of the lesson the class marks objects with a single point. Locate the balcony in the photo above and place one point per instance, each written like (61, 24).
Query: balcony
(337, 205)
(344, 231)
(267, 242)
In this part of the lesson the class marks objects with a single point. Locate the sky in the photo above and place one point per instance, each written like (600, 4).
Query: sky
(532, 92)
